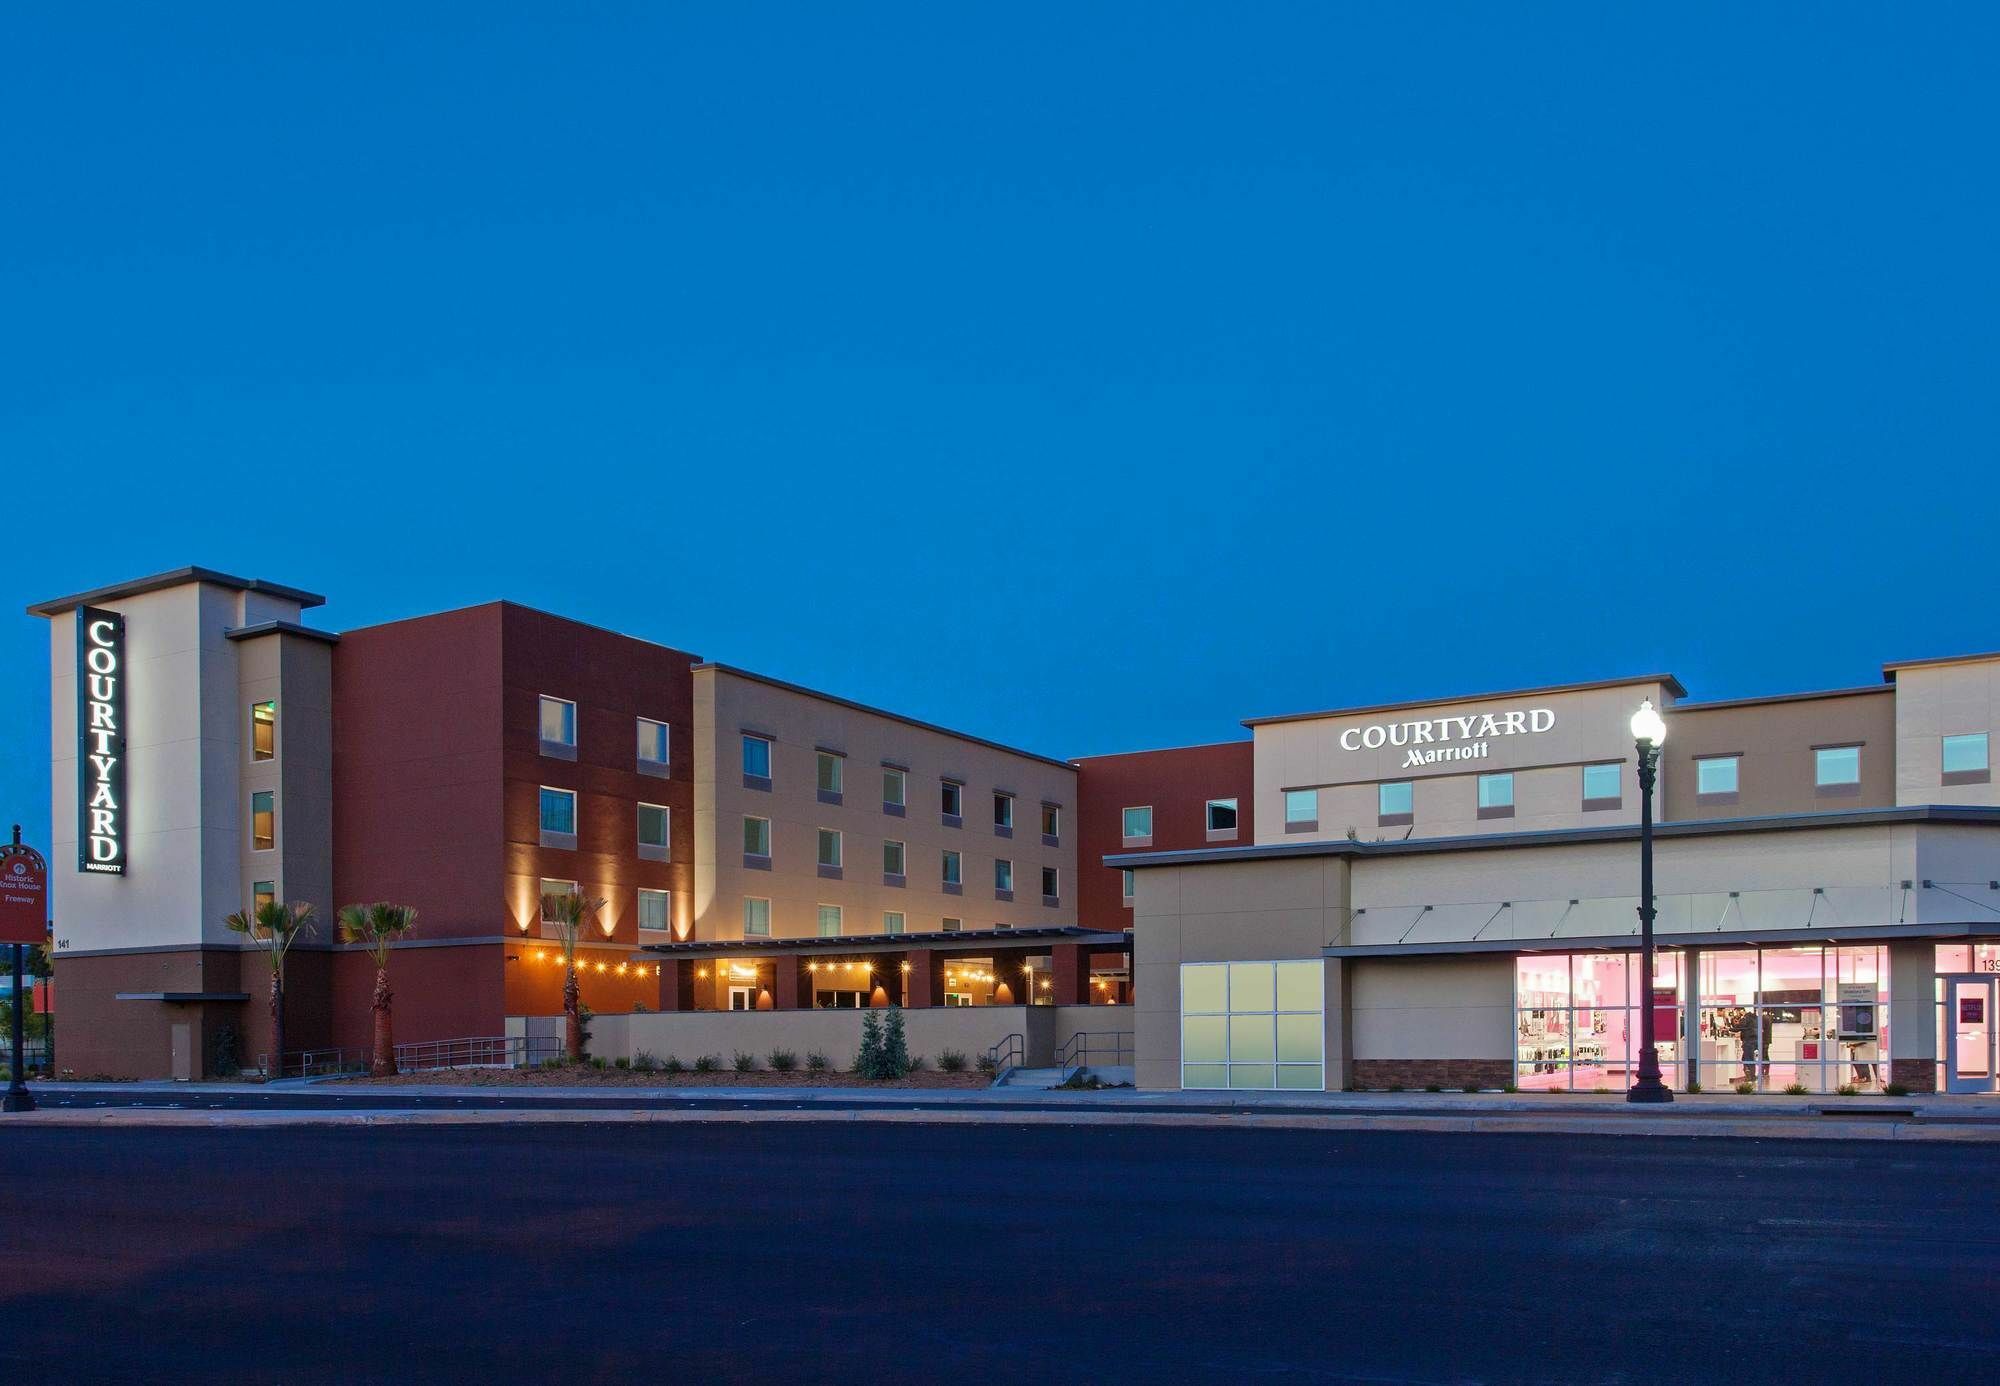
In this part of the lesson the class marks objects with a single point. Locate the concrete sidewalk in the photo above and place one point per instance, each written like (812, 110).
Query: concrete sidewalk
(291, 1103)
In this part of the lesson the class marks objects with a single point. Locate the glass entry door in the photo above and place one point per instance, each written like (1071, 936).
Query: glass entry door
(1968, 1030)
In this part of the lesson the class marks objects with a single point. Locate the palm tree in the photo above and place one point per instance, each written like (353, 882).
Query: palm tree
(377, 927)
(569, 913)
(274, 928)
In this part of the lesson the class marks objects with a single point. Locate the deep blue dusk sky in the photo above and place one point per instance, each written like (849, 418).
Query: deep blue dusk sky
(1087, 378)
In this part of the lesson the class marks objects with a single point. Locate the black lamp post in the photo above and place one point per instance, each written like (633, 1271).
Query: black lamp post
(1649, 731)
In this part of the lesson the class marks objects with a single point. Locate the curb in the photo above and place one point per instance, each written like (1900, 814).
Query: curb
(1820, 1128)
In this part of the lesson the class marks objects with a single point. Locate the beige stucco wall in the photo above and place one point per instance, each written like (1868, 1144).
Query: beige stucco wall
(1939, 700)
(1591, 726)
(296, 672)
(1433, 1008)
(727, 705)
(688, 1035)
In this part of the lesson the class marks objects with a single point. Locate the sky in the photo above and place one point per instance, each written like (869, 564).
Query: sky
(1084, 377)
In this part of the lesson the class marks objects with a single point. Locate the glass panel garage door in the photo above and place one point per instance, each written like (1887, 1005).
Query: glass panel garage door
(1252, 1025)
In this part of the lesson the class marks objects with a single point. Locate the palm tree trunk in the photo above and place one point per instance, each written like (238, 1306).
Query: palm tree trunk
(385, 1042)
(572, 1019)
(276, 1068)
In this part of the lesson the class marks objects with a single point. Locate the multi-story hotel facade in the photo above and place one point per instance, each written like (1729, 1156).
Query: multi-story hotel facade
(1440, 893)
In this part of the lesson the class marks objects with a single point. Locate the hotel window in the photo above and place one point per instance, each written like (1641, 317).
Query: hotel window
(757, 837)
(950, 925)
(263, 893)
(1003, 877)
(1221, 815)
(1715, 778)
(1003, 812)
(263, 820)
(892, 921)
(1395, 803)
(1127, 879)
(954, 866)
(1139, 823)
(263, 731)
(655, 909)
(1252, 1025)
(756, 917)
(653, 839)
(559, 811)
(1051, 885)
(756, 761)
(1603, 785)
(1301, 810)
(1051, 824)
(550, 892)
(892, 858)
(652, 744)
(1837, 769)
(952, 800)
(895, 786)
(831, 770)
(829, 921)
(558, 722)
(1963, 759)
(829, 847)
(1496, 795)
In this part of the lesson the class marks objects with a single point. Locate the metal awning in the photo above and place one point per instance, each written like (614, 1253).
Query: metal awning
(1616, 943)
(928, 941)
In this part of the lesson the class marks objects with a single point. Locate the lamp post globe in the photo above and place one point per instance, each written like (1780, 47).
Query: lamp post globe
(1649, 731)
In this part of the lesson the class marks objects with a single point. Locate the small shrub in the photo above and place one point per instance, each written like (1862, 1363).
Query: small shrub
(1433, 1087)
(707, 1063)
(951, 1061)
(817, 1062)
(1896, 1089)
(621, 1062)
(1510, 1086)
(918, 1063)
(986, 1063)
(1471, 1087)
(1745, 1089)
(641, 1008)
(743, 1063)
(1600, 1088)
(782, 1060)
(1795, 1089)
(597, 1062)
(224, 1061)
(1847, 1090)
(645, 1061)
(1394, 1087)
(1693, 1087)
(868, 1059)
(673, 1065)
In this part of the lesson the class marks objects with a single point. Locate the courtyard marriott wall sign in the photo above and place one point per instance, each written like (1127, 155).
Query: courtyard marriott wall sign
(100, 741)
(1435, 739)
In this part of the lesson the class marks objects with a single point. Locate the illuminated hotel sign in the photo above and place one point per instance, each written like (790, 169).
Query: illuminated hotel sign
(1448, 738)
(100, 741)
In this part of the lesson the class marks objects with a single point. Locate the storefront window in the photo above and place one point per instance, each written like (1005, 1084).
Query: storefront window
(1577, 1020)
(1774, 1019)
(1252, 1025)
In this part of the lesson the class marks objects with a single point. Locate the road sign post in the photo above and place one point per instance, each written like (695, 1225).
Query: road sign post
(24, 921)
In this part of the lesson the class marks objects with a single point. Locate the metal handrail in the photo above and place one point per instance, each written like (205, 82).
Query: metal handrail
(474, 1051)
(1086, 1043)
(1007, 1054)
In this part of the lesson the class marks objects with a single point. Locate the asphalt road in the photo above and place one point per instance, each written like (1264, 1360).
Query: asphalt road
(837, 1251)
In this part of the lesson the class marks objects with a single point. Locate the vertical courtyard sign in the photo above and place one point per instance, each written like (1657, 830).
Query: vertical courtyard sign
(100, 741)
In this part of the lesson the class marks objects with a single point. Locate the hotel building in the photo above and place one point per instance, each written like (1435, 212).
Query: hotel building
(1421, 894)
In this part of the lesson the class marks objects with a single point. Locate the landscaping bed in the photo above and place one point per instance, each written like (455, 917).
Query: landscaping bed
(581, 1076)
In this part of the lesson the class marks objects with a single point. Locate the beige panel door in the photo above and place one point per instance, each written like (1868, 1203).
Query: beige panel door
(183, 1069)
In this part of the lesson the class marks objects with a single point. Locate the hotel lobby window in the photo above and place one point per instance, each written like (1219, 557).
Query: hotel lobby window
(653, 830)
(652, 744)
(558, 723)
(263, 820)
(1715, 779)
(757, 761)
(1221, 816)
(1577, 1020)
(831, 771)
(952, 872)
(829, 847)
(1602, 788)
(1252, 1025)
(1837, 769)
(829, 921)
(1301, 810)
(263, 731)
(757, 838)
(655, 909)
(1395, 803)
(1496, 795)
(1138, 824)
(558, 820)
(1962, 759)
(756, 917)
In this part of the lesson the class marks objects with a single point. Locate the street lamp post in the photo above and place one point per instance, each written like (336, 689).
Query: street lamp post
(1649, 731)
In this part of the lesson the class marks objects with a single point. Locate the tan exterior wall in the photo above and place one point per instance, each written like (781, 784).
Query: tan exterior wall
(296, 673)
(1775, 741)
(728, 704)
(688, 1035)
(1591, 726)
(1939, 700)
(1433, 1008)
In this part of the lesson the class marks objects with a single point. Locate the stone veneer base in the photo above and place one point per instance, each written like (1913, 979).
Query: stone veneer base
(1422, 1073)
